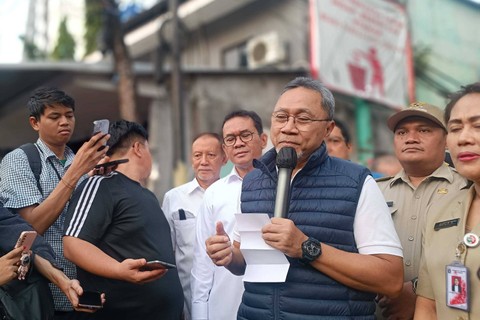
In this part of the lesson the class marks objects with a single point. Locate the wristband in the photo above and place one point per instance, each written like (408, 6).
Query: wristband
(69, 186)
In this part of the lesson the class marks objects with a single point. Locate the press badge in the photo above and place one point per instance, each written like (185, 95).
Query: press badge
(457, 281)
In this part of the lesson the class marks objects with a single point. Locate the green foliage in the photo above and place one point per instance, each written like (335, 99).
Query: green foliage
(93, 24)
(31, 50)
(65, 47)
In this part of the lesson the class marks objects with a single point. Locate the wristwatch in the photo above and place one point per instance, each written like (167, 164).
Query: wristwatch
(311, 250)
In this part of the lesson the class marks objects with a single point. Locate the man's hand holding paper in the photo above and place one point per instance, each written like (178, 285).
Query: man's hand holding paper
(283, 235)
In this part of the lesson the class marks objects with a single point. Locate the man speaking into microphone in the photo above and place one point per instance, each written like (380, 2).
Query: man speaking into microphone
(337, 234)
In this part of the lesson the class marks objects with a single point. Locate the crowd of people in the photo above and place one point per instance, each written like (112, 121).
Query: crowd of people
(403, 246)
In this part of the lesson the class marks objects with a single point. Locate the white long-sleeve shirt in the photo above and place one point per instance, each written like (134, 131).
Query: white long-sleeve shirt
(189, 198)
(216, 292)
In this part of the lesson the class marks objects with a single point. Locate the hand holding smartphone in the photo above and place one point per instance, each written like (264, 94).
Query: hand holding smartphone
(26, 240)
(157, 264)
(90, 300)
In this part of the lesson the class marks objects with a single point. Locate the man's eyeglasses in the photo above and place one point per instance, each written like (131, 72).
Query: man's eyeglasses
(302, 122)
(245, 136)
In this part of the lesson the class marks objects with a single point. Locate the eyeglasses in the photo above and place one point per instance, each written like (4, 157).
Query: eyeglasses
(245, 136)
(302, 122)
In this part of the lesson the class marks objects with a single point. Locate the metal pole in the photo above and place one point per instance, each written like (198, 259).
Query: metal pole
(177, 96)
(176, 81)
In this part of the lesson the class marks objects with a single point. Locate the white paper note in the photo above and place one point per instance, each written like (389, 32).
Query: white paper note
(264, 263)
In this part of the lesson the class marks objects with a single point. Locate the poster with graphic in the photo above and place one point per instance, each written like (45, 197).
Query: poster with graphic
(362, 48)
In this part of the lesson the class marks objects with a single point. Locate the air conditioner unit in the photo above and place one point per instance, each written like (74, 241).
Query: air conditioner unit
(265, 50)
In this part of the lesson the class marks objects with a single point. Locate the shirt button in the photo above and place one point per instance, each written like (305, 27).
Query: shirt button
(408, 263)
(410, 238)
(417, 197)
(460, 318)
(414, 218)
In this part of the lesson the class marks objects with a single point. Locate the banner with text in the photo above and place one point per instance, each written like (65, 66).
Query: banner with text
(362, 48)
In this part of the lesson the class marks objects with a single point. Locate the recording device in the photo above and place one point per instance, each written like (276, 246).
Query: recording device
(157, 264)
(90, 300)
(101, 126)
(110, 164)
(286, 161)
(26, 240)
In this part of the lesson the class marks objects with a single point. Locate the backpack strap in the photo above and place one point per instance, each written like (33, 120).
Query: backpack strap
(33, 157)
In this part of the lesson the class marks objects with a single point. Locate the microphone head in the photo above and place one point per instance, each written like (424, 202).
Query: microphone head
(287, 158)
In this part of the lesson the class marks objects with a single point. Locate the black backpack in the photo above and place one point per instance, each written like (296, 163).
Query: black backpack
(33, 156)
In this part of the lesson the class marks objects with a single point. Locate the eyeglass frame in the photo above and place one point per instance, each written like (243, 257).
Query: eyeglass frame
(235, 136)
(295, 118)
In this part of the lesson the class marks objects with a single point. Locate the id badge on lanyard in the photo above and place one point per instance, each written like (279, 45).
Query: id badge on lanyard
(457, 279)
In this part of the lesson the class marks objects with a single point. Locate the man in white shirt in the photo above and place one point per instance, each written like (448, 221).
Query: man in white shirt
(338, 234)
(181, 205)
(216, 293)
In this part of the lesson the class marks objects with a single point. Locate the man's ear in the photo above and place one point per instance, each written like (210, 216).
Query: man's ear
(225, 158)
(137, 149)
(33, 122)
(264, 139)
(329, 128)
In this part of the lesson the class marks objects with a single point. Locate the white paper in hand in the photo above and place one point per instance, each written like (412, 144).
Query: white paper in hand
(264, 263)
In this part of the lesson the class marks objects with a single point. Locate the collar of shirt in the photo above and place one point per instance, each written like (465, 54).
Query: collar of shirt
(233, 176)
(46, 153)
(442, 172)
(192, 186)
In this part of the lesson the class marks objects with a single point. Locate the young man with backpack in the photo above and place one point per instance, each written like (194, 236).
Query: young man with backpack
(44, 204)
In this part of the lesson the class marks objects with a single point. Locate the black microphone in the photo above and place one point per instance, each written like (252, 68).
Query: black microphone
(286, 162)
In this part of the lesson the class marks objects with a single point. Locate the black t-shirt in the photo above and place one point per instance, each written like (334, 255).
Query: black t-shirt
(125, 220)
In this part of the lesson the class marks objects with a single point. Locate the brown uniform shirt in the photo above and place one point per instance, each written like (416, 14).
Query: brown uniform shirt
(410, 206)
(439, 250)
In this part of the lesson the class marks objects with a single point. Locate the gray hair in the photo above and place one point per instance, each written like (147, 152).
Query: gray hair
(328, 102)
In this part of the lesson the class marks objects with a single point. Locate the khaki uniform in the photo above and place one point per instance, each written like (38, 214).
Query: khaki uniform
(439, 250)
(410, 206)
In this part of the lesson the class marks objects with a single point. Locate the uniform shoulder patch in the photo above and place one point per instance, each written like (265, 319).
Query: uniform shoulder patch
(386, 178)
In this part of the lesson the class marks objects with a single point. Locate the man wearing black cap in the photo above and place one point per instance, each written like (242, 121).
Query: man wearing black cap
(423, 186)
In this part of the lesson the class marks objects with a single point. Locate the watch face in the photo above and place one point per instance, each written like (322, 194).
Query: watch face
(312, 249)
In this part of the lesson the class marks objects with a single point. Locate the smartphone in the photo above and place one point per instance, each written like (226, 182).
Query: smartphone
(157, 264)
(101, 126)
(26, 239)
(110, 164)
(90, 300)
